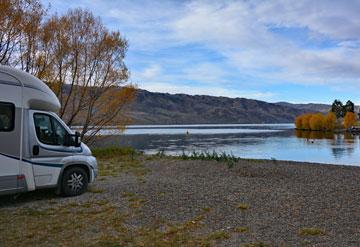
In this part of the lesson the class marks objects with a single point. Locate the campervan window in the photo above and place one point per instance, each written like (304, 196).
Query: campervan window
(7, 117)
(48, 130)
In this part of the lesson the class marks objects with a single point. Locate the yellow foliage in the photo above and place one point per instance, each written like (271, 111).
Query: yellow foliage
(317, 122)
(350, 120)
(303, 121)
(306, 121)
(298, 122)
(330, 121)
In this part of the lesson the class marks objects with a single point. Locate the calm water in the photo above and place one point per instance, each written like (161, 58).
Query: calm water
(263, 141)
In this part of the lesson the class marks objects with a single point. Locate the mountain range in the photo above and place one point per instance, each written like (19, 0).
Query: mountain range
(164, 108)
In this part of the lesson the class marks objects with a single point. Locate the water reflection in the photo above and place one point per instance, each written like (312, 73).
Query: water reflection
(311, 135)
(340, 144)
(324, 135)
(283, 144)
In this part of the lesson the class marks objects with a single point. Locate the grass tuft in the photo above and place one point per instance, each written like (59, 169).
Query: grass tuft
(242, 206)
(241, 229)
(114, 161)
(206, 209)
(230, 159)
(255, 244)
(311, 232)
(219, 235)
(111, 152)
(95, 190)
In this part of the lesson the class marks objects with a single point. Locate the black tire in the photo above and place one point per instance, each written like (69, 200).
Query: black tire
(74, 181)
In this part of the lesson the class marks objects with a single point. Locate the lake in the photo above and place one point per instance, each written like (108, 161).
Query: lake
(259, 141)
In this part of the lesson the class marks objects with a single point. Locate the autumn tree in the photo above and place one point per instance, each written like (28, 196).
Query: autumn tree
(317, 122)
(16, 19)
(330, 121)
(298, 122)
(350, 120)
(80, 59)
(306, 121)
(89, 66)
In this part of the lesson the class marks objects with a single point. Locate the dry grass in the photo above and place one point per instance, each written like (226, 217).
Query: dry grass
(99, 222)
(96, 223)
(311, 232)
(241, 229)
(242, 206)
(114, 166)
(219, 235)
(113, 161)
(95, 190)
(70, 225)
(255, 244)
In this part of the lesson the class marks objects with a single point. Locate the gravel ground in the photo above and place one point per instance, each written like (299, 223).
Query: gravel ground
(273, 202)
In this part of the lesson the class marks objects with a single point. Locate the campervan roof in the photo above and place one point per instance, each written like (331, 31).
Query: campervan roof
(37, 95)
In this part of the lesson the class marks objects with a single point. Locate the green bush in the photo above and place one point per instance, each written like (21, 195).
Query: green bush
(110, 152)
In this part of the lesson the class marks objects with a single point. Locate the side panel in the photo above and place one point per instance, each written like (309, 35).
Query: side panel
(10, 141)
(47, 172)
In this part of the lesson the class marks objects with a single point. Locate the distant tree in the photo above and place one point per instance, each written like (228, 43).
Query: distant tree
(330, 121)
(317, 122)
(337, 108)
(349, 107)
(298, 122)
(306, 121)
(350, 120)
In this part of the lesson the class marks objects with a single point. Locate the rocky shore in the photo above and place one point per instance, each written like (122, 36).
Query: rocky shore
(162, 201)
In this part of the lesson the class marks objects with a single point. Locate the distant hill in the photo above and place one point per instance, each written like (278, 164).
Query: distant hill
(310, 107)
(164, 108)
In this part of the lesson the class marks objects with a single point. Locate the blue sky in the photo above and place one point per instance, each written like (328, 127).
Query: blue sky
(296, 51)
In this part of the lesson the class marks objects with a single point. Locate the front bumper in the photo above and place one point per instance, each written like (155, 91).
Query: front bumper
(94, 169)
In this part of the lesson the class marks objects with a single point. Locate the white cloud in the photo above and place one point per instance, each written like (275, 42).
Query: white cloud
(335, 19)
(150, 73)
(206, 73)
(240, 31)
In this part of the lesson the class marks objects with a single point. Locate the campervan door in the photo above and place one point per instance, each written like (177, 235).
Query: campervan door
(11, 179)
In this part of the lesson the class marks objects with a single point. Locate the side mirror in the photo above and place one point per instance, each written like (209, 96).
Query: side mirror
(77, 139)
(72, 140)
(67, 140)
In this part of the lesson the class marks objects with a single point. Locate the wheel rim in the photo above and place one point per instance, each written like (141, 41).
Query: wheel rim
(75, 182)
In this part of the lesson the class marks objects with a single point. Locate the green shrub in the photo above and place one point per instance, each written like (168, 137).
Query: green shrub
(110, 152)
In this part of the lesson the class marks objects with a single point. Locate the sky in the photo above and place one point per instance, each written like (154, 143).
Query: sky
(280, 50)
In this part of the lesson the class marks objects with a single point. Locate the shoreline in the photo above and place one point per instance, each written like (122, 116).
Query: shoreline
(168, 201)
(274, 161)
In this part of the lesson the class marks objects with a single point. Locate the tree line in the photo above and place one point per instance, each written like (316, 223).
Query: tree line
(80, 59)
(339, 117)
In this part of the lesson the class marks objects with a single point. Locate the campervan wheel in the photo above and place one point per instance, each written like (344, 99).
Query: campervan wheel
(74, 181)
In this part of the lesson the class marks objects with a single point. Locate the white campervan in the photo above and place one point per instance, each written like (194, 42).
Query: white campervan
(37, 150)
